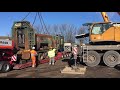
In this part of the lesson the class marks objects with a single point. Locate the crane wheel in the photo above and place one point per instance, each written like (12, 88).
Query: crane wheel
(93, 59)
(111, 58)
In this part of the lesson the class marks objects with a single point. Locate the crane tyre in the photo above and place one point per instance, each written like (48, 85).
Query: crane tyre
(93, 59)
(111, 58)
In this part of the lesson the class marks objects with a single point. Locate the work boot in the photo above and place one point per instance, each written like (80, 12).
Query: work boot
(33, 65)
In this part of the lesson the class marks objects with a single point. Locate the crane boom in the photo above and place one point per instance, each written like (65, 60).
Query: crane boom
(105, 17)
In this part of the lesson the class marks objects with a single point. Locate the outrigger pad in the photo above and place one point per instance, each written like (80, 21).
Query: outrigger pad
(70, 70)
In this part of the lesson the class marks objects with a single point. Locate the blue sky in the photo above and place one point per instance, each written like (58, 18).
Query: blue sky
(50, 18)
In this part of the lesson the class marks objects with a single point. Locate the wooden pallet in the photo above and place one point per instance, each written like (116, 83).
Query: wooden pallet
(70, 70)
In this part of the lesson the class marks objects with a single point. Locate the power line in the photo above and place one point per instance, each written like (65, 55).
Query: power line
(26, 16)
(40, 15)
(34, 19)
(41, 23)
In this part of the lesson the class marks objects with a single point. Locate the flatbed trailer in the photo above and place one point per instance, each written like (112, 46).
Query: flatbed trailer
(29, 63)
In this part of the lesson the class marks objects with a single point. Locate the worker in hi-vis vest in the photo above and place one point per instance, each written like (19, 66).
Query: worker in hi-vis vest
(51, 55)
(33, 56)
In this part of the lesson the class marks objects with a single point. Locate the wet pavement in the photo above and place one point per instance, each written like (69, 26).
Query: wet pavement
(50, 71)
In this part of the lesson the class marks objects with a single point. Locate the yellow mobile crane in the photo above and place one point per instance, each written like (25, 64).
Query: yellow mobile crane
(105, 17)
(105, 32)
(104, 43)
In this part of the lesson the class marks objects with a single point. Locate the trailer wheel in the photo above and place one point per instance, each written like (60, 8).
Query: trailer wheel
(6, 67)
(93, 59)
(111, 58)
(40, 57)
(45, 55)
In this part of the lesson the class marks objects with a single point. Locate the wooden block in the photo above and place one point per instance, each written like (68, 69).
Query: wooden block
(69, 70)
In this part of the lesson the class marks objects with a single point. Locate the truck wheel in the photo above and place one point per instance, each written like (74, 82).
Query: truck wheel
(6, 67)
(93, 59)
(111, 58)
(1, 64)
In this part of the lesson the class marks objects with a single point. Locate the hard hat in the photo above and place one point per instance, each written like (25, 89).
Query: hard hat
(33, 47)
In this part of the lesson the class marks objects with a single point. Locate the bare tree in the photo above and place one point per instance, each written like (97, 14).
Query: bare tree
(37, 29)
(83, 30)
(55, 29)
(66, 30)
(41, 30)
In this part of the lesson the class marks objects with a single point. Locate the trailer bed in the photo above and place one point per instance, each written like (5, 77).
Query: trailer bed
(28, 64)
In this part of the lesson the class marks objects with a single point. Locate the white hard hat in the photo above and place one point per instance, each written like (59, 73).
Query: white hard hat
(33, 47)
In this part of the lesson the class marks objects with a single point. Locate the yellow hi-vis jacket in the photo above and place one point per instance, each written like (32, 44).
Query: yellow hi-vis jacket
(51, 53)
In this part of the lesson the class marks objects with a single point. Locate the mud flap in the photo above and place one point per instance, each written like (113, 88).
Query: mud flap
(1, 64)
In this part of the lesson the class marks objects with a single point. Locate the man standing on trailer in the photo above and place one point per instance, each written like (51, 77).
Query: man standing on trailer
(33, 56)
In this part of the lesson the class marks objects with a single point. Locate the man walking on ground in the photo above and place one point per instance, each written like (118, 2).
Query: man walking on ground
(51, 55)
(33, 56)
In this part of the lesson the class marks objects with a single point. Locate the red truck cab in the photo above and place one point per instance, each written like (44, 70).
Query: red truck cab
(6, 52)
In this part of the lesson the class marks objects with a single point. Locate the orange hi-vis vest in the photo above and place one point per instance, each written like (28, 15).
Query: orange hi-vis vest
(33, 54)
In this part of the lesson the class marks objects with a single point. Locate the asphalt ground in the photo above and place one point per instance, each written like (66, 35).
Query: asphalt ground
(53, 71)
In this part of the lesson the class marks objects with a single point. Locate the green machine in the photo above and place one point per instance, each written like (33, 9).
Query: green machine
(23, 35)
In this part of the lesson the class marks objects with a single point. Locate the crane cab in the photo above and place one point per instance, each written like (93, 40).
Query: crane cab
(104, 32)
